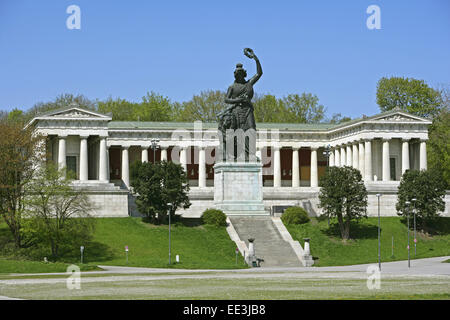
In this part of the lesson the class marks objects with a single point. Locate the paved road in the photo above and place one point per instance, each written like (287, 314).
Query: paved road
(106, 283)
(419, 267)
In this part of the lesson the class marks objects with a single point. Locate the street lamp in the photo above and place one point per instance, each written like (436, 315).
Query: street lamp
(414, 200)
(379, 232)
(326, 153)
(154, 146)
(407, 203)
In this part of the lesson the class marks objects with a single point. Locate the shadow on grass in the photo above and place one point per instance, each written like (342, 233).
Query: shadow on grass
(94, 251)
(357, 231)
(437, 226)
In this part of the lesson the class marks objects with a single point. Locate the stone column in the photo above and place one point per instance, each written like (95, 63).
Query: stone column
(343, 156)
(108, 167)
(276, 167)
(355, 154)
(103, 164)
(84, 158)
(144, 154)
(368, 160)
(62, 152)
(337, 157)
(385, 160)
(295, 168)
(201, 167)
(314, 176)
(423, 155)
(361, 158)
(125, 167)
(258, 153)
(405, 155)
(331, 159)
(163, 154)
(349, 155)
(183, 158)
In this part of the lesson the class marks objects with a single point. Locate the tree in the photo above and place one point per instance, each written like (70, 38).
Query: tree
(58, 214)
(269, 108)
(160, 188)
(120, 109)
(428, 188)
(439, 139)
(408, 94)
(203, 107)
(154, 107)
(343, 195)
(304, 108)
(16, 115)
(21, 153)
(337, 118)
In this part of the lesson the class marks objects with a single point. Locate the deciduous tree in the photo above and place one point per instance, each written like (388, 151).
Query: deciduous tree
(344, 196)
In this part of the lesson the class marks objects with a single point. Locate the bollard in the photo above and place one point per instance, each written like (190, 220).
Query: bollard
(306, 249)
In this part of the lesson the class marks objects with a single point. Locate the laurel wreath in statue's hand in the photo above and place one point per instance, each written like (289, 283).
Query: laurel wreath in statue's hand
(249, 53)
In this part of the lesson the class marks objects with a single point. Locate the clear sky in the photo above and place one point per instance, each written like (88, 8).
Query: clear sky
(179, 48)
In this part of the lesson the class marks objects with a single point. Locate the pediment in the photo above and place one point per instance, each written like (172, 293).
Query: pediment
(72, 112)
(399, 117)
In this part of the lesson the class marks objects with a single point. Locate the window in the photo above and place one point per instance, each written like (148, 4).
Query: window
(392, 167)
(71, 163)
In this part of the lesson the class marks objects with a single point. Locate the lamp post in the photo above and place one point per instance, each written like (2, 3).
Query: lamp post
(326, 153)
(169, 239)
(379, 232)
(415, 238)
(154, 146)
(407, 203)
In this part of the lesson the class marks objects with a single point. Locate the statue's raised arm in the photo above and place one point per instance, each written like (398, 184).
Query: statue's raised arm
(251, 54)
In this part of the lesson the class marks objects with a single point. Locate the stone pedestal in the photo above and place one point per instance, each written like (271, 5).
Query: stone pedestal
(238, 188)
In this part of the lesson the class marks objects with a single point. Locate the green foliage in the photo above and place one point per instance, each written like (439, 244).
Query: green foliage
(16, 115)
(20, 151)
(344, 196)
(327, 250)
(295, 215)
(408, 94)
(153, 107)
(428, 187)
(304, 108)
(58, 216)
(214, 217)
(160, 188)
(269, 108)
(439, 145)
(203, 107)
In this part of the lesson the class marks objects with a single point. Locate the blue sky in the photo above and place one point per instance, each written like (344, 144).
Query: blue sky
(179, 48)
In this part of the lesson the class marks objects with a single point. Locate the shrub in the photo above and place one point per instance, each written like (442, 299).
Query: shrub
(295, 215)
(214, 217)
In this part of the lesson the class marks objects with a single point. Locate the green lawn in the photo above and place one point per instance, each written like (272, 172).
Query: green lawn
(199, 247)
(26, 266)
(327, 246)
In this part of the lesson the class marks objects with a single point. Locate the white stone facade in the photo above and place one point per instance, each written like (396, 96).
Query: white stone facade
(294, 156)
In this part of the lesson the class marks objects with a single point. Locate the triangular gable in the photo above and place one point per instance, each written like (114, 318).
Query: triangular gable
(396, 115)
(71, 112)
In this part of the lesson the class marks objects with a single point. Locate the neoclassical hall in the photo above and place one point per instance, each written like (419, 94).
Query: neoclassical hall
(99, 152)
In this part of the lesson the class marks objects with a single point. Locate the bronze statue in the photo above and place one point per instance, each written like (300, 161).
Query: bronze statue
(239, 113)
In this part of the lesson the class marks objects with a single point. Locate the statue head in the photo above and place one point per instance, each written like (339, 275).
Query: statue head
(240, 73)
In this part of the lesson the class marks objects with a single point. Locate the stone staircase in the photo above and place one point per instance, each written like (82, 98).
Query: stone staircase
(269, 244)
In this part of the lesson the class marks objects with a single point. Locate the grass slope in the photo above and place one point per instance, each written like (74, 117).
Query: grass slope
(327, 246)
(200, 247)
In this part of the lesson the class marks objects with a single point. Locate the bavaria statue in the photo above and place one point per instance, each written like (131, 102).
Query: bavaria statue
(237, 122)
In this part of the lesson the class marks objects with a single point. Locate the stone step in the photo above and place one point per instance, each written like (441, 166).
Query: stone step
(269, 244)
